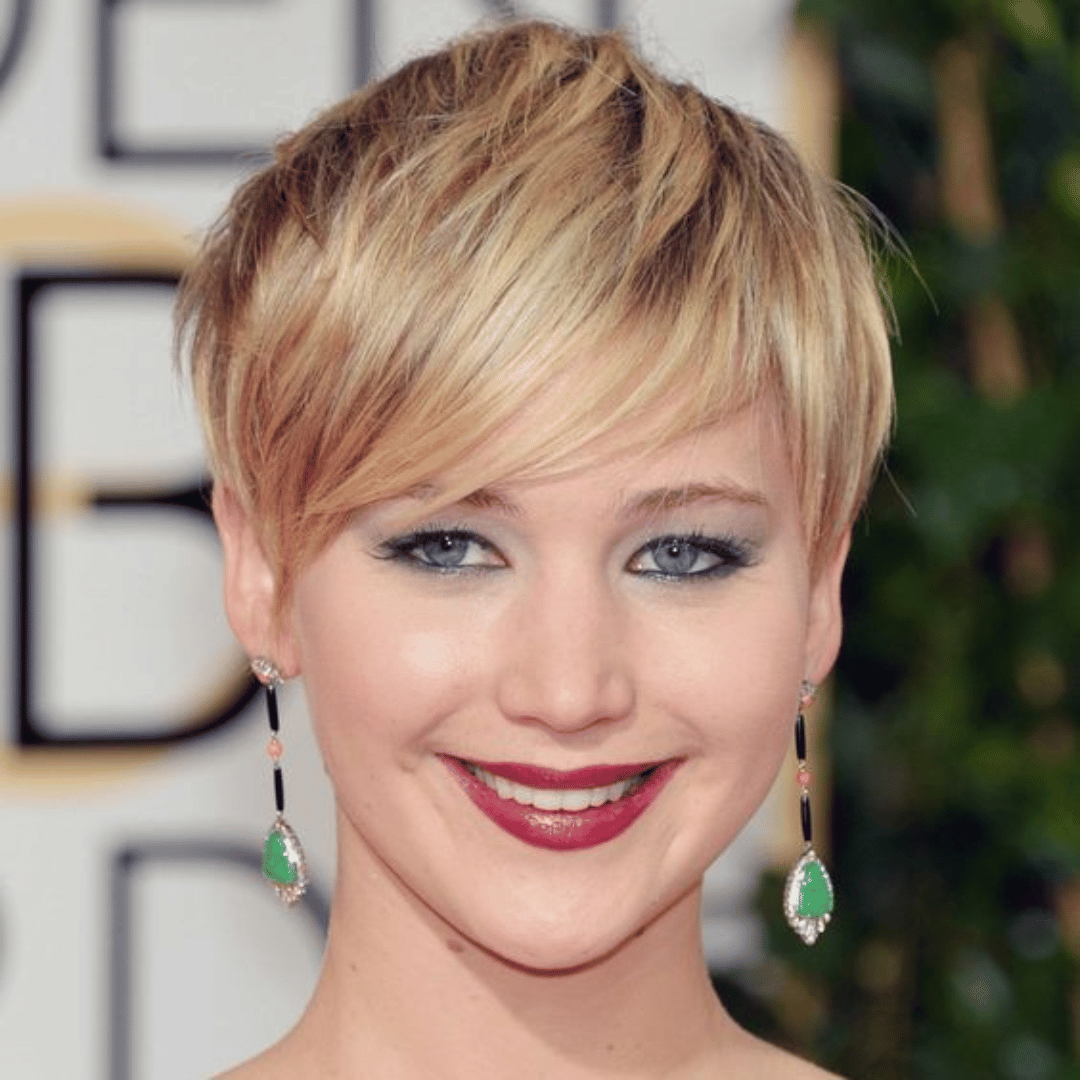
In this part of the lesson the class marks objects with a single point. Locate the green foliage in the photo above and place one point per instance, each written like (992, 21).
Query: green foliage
(956, 802)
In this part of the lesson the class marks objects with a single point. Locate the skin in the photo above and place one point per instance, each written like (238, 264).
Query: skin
(455, 949)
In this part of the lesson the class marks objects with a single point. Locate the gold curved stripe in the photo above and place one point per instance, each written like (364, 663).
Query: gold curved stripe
(85, 232)
(61, 772)
(812, 96)
(77, 231)
(54, 496)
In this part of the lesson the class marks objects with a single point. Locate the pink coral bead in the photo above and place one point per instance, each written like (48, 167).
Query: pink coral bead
(275, 749)
(802, 777)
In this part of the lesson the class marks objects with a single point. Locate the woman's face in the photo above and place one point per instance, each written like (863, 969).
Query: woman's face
(654, 614)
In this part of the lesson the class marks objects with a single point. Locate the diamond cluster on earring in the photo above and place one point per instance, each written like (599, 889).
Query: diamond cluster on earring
(265, 670)
(808, 897)
(283, 862)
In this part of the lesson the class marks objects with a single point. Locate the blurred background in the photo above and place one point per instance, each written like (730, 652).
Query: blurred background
(136, 938)
(956, 782)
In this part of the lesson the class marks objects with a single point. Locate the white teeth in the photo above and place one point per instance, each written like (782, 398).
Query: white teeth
(548, 799)
(575, 800)
(597, 796)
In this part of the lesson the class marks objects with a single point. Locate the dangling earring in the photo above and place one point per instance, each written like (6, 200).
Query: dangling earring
(808, 891)
(283, 862)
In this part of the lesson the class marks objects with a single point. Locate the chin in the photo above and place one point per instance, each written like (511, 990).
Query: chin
(551, 954)
(556, 939)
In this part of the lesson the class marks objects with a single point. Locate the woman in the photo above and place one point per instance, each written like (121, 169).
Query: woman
(541, 393)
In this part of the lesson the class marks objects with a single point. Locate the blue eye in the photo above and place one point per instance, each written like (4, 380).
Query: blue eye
(667, 558)
(443, 550)
(691, 556)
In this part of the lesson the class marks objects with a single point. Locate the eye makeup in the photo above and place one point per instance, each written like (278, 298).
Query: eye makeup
(442, 549)
(678, 557)
(672, 557)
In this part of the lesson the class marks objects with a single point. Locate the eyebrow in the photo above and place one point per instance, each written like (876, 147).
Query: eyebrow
(656, 501)
(663, 500)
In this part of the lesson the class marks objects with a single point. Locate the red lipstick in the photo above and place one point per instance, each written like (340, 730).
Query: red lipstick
(556, 780)
(563, 830)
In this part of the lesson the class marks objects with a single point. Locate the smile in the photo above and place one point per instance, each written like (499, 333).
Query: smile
(554, 799)
(561, 811)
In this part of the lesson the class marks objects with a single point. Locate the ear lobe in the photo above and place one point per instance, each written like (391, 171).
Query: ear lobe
(825, 622)
(249, 585)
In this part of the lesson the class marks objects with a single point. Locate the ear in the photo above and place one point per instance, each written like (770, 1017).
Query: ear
(825, 622)
(249, 586)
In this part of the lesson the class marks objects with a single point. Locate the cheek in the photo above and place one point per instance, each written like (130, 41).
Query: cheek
(733, 672)
(376, 669)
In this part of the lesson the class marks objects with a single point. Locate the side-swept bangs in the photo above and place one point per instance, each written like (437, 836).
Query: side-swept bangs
(531, 222)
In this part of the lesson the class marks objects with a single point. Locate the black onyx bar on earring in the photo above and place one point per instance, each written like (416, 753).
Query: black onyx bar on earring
(275, 749)
(802, 776)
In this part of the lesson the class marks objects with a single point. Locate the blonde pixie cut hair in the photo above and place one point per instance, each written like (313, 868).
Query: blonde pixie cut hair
(531, 222)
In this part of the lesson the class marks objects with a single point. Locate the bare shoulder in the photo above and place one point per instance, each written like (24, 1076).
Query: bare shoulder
(763, 1061)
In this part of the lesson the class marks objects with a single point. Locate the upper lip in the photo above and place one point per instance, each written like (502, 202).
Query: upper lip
(535, 776)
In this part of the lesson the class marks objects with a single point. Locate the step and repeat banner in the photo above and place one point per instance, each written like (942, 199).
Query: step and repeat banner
(137, 939)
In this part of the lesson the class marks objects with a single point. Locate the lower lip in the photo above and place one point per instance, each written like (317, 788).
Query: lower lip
(563, 830)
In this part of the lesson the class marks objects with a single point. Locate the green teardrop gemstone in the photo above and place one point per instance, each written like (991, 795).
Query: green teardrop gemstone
(815, 896)
(276, 863)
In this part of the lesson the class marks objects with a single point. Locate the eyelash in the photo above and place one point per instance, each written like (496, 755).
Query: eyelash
(401, 549)
(734, 553)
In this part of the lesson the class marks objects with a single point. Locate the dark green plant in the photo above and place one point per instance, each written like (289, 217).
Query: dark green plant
(956, 803)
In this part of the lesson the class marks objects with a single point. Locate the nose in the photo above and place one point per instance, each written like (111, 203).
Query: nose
(564, 661)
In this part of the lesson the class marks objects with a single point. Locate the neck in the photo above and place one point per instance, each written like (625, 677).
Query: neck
(403, 993)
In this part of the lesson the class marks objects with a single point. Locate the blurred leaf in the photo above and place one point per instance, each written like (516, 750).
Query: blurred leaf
(1032, 23)
(956, 787)
(1065, 184)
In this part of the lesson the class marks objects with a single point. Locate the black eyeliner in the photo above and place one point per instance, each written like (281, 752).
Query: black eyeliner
(401, 548)
(734, 552)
